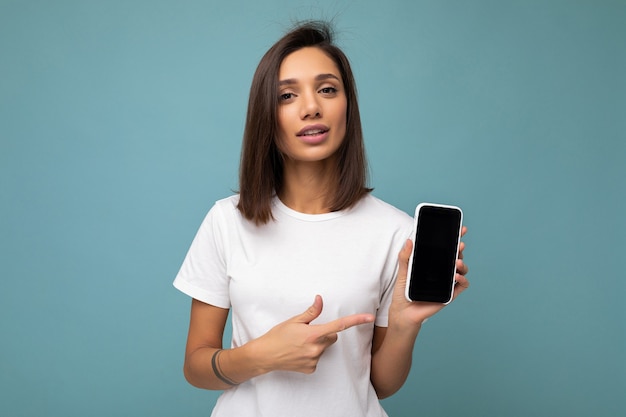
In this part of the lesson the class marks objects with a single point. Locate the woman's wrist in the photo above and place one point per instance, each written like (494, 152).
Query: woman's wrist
(400, 324)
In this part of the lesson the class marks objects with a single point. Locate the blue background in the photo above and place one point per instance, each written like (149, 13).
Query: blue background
(121, 123)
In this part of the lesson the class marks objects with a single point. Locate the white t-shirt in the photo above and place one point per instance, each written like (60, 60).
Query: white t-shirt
(268, 274)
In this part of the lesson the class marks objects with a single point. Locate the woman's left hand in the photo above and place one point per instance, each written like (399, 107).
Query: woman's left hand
(406, 313)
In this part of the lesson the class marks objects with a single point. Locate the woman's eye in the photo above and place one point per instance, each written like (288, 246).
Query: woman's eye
(328, 90)
(286, 96)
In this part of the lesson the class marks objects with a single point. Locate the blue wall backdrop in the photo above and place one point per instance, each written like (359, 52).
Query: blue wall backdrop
(121, 122)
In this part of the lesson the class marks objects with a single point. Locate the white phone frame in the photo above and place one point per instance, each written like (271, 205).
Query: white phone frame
(413, 237)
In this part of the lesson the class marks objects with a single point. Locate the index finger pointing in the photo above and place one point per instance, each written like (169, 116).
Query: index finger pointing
(345, 323)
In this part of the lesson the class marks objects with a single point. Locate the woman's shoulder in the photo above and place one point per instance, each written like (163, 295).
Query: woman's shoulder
(228, 203)
(376, 207)
(224, 209)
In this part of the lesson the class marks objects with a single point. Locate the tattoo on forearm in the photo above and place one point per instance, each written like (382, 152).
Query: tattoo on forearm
(217, 369)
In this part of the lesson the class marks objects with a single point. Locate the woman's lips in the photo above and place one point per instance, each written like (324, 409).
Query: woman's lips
(313, 134)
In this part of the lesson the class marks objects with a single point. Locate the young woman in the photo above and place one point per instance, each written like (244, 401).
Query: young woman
(304, 256)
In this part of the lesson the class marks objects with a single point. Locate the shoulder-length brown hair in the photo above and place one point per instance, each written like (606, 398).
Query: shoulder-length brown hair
(261, 168)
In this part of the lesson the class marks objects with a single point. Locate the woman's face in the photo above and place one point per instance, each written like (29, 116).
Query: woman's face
(312, 106)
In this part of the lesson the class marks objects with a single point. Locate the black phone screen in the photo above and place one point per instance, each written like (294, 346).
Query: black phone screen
(434, 254)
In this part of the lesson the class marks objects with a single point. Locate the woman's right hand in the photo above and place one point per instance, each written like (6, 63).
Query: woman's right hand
(297, 345)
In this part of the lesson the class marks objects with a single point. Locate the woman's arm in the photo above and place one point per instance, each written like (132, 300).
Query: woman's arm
(392, 347)
(294, 345)
(206, 330)
(391, 360)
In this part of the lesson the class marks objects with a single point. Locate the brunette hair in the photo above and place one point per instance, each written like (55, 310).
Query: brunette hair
(261, 167)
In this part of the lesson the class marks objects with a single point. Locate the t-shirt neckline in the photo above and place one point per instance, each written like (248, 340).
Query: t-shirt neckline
(278, 204)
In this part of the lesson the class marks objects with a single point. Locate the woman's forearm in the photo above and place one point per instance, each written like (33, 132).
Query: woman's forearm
(391, 362)
(217, 369)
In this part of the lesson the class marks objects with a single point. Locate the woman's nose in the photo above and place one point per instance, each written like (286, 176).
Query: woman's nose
(311, 108)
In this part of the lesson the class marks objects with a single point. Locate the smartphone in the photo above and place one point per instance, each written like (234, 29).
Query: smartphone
(432, 265)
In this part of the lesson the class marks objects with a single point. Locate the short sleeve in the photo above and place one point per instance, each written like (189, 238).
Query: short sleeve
(203, 273)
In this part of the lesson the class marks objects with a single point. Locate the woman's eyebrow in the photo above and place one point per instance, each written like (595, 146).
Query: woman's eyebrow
(323, 77)
(320, 77)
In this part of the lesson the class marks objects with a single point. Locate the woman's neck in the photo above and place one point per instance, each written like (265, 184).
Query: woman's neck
(307, 187)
